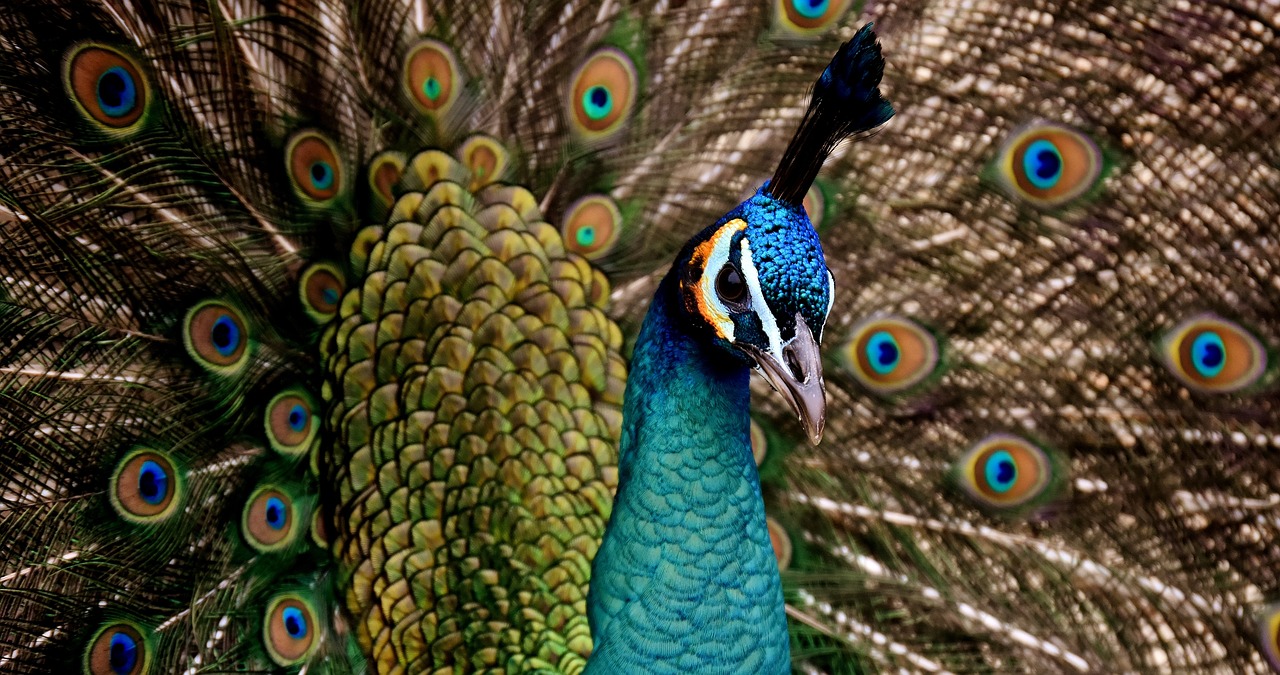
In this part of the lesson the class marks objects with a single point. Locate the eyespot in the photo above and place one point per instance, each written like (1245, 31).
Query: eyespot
(432, 79)
(269, 519)
(289, 630)
(1049, 164)
(592, 226)
(321, 289)
(815, 206)
(889, 354)
(145, 487)
(291, 423)
(806, 18)
(216, 338)
(759, 442)
(781, 542)
(602, 94)
(485, 158)
(1006, 472)
(319, 532)
(384, 172)
(107, 86)
(729, 285)
(1211, 354)
(117, 649)
(1269, 634)
(314, 168)
(362, 247)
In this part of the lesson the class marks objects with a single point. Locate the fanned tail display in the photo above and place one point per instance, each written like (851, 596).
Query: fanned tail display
(316, 318)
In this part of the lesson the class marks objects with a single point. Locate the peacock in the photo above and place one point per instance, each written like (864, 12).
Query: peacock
(323, 325)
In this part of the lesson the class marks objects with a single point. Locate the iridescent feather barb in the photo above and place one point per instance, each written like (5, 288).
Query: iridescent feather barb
(317, 315)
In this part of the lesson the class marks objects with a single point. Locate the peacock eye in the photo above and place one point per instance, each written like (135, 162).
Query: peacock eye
(384, 172)
(1269, 634)
(815, 206)
(321, 289)
(289, 631)
(1048, 165)
(117, 649)
(730, 286)
(1007, 473)
(145, 487)
(759, 442)
(889, 354)
(290, 421)
(1214, 355)
(107, 87)
(781, 542)
(808, 18)
(268, 520)
(314, 167)
(431, 77)
(319, 532)
(602, 93)
(216, 337)
(592, 226)
(486, 158)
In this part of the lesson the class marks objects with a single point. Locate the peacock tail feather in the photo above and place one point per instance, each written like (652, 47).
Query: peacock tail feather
(315, 316)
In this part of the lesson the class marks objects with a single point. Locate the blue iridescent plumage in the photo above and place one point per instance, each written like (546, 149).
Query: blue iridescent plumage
(686, 579)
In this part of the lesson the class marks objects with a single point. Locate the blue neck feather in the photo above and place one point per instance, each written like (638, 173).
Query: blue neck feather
(686, 580)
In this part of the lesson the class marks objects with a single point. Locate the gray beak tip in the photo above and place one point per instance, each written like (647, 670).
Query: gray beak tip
(799, 379)
(815, 433)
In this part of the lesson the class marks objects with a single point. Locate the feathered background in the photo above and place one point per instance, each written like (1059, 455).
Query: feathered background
(267, 361)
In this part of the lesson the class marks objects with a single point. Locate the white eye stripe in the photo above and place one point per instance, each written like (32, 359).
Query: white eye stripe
(767, 321)
(831, 293)
(715, 261)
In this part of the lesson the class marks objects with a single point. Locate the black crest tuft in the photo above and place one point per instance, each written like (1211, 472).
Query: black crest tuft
(846, 100)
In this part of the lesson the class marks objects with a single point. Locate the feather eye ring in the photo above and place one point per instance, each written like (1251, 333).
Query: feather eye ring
(107, 87)
(1049, 165)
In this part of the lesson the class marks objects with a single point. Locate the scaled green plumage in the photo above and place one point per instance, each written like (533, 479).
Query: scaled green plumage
(478, 392)
(1052, 417)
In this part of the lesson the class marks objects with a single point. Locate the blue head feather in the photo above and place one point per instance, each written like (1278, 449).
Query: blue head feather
(788, 258)
(774, 246)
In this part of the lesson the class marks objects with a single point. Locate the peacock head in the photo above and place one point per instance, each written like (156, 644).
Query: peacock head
(758, 283)
(757, 277)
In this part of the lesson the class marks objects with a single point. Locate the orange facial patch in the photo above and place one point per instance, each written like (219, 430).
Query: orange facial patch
(710, 256)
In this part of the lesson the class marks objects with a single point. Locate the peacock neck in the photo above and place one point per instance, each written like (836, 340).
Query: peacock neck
(686, 579)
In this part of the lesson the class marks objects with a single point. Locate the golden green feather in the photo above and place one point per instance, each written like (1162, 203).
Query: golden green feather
(475, 394)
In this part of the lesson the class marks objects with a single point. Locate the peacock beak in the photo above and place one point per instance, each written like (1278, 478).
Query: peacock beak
(798, 377)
